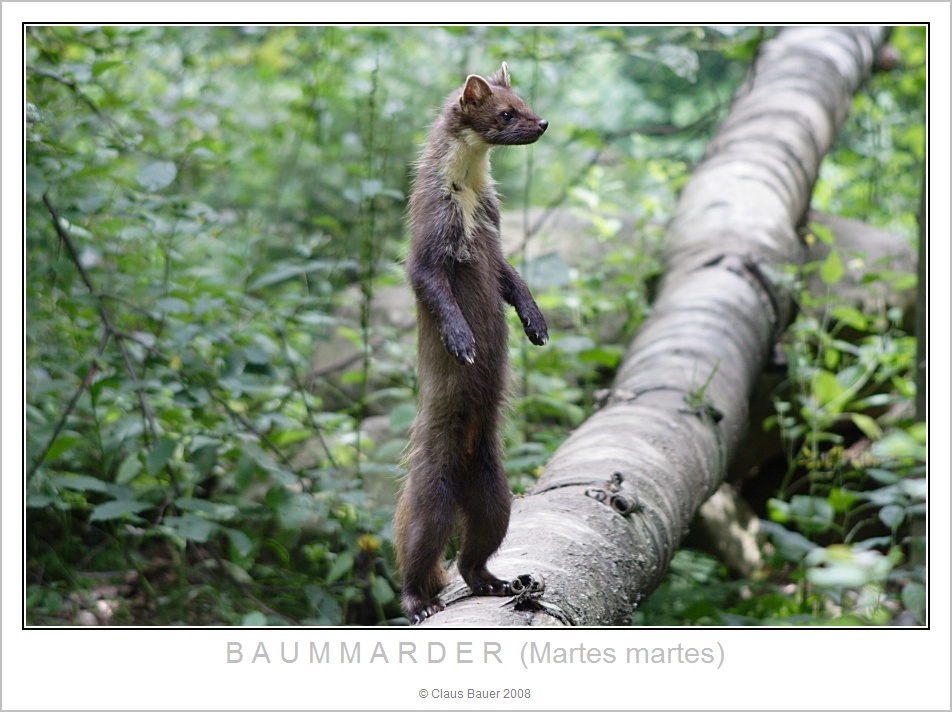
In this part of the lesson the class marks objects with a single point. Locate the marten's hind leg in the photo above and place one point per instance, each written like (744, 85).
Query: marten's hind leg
(485, 503)
(423, 523)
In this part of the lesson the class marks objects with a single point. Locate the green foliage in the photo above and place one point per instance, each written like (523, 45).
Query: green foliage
(849, 518)
(172, 433)
(854, 492)
(875, 170)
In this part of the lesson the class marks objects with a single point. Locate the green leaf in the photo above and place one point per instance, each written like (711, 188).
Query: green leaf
(548, 270)
(826, 387)
(79, 483)
(214, 510)
(831, 271)
(237, 572)
(812, 514)
(802, 505)
(822, 233)
(892, 515)
(899, 444)
(190, 504)
(255, 619)
(342, 564)
(573, 344)
(38, 501)
(886, 477)
(204, 458)
(841, 499)
(838, 565)
(159, 455)
(131, 466)
(851, 317)
(156, 175)
(294, 510)
(35, 182)
(867, 425)
(608, 357)
(191, 527)
(682, 61)
(63, 443)
(792, 546)
(915, 488)
(284, 271)
(401, 417)
(242, 543)
(102, 65)
(914, 599)
(778, 510)
(118, 509)
(845, 621)
(90, 204)
(381, 590)
(173, 305)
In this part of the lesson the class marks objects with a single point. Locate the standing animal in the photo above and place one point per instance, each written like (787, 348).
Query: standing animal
(462, 282)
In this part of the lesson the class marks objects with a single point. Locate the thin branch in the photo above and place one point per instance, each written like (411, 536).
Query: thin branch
(111, 330)
(81, 95)
(376, 342)
(299, 385)
(243, 420)
(61, 423)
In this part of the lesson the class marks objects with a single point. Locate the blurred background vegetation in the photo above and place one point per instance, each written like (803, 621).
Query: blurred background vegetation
(220, 367)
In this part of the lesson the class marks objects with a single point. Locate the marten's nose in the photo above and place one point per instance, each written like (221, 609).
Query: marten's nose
(543, 124)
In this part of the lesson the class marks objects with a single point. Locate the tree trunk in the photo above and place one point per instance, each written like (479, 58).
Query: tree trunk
(616, 499)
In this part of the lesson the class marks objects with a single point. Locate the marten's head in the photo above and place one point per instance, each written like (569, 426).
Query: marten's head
(494, 113)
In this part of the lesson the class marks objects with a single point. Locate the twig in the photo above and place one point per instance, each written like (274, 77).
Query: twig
(320, 371)
(111, 330)
(251, 427)
(299, 385)
(61, 423)
(212, 550)
(81, 95)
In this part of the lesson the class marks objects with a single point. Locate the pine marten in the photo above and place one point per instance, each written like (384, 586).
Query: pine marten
(461, 279)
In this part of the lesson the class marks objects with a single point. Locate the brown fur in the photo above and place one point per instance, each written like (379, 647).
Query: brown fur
(462, 281)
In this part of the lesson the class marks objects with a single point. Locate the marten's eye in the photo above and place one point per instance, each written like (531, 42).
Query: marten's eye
(507, 116)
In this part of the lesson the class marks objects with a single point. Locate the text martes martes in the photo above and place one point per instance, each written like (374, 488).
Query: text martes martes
(461, 281)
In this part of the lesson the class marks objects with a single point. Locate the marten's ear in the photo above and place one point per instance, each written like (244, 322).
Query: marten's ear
(501, 78)
(475, 91)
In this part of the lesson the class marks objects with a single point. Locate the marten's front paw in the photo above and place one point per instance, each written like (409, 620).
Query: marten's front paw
(534, 326)
(461, 345)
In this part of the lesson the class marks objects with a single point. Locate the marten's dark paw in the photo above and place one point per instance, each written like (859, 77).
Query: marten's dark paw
(535, 328)
(461, 345)
(418, 610)
(538, 336)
